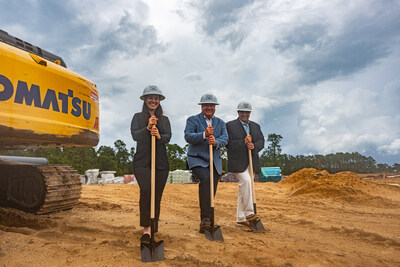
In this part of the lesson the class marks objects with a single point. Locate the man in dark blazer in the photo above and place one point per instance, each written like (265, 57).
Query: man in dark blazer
(244, 135)
(200, 131)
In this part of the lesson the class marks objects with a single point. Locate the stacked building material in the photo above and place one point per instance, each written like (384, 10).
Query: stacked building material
(179, 177)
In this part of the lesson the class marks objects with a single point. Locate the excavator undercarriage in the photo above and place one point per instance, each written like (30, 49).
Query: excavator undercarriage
(38, 189)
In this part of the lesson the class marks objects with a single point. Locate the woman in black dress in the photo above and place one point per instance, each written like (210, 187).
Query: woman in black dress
(142, 129)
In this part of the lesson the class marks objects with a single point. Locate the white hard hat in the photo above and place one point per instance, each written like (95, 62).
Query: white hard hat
(152, 90)
(208, 99)
(244, 106)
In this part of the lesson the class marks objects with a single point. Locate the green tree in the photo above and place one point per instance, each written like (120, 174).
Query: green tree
(396, 167)
(107, 163)
(269, 157)
(106, 151)
(132, 153)
(274, 148)
(122, 158)
(80, 158)
(176, 157)
(53, 155)
(106, 159)
(382, 167)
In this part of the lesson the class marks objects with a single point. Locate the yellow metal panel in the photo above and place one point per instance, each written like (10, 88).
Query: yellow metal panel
(47, 103)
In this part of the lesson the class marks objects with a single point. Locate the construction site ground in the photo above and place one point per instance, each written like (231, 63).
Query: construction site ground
(312, 219)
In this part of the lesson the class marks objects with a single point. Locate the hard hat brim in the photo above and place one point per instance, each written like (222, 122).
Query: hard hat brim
(208, 103)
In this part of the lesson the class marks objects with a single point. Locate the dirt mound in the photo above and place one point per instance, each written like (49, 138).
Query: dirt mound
(310, 174)
(345, 186)
(16, 218)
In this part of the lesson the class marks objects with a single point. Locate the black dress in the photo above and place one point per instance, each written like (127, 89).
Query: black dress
(142, 163)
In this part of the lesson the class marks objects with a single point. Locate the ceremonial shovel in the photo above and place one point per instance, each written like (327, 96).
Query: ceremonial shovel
(214, 233)
(155, 250)
(256, 225)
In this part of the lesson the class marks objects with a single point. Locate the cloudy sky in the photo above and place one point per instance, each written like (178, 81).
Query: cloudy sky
(323, 74)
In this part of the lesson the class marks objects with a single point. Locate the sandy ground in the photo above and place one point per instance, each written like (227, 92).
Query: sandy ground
(312, 219)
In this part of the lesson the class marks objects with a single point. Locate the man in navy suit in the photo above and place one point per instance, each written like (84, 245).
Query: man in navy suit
(200, 131)
(244, 135)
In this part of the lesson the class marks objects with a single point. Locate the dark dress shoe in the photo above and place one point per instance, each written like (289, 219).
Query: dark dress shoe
(145, 239)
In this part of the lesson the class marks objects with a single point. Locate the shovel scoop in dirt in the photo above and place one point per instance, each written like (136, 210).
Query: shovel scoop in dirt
(256, 225)
(154, 251)
(213, 233)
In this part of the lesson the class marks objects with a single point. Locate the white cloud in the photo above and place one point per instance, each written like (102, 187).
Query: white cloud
(323, 74)
(393, 148)
(193, 76)
(337, 116)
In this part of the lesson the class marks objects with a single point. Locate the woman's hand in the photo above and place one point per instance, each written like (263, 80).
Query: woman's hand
(152, 121)
(154, 131)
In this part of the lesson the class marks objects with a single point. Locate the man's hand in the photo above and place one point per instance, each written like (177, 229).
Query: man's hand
(250, 146)
(211, 140)
(247, 139)
(152, 121)
(209, 131)
(154, 131)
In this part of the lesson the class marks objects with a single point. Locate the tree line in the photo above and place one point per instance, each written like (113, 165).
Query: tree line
(119, 158)
(333, 163)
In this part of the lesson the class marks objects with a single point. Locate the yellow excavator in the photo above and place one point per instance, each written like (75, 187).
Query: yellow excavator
(42, 105)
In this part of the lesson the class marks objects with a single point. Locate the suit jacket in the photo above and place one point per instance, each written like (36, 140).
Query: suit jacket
(142, 137)
(198, 150)
(238, 155)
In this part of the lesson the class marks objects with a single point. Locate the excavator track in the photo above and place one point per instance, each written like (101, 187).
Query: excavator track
(38, 189)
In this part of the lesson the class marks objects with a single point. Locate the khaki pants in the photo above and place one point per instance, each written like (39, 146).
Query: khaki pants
(245, 198)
